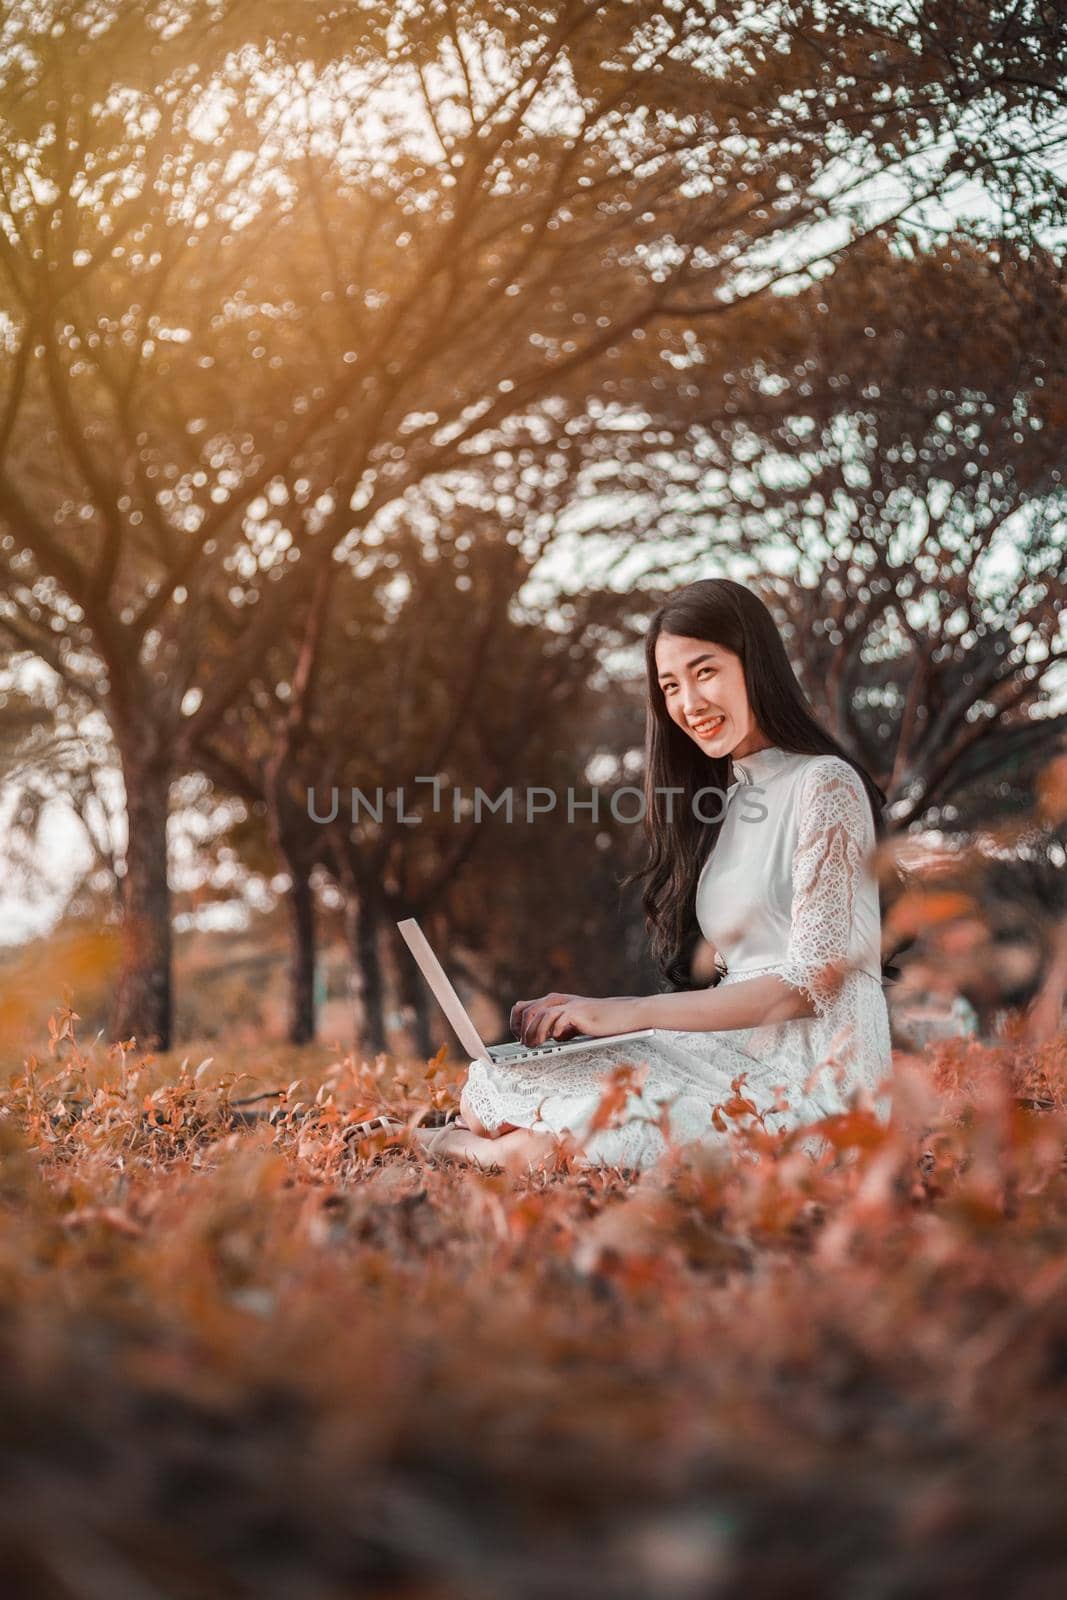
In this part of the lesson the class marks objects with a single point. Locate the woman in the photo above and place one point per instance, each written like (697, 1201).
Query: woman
(761, 837)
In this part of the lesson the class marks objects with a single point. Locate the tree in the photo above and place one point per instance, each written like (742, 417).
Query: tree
(263, 271)
(419, 700)
(986, 78)
(896, 485)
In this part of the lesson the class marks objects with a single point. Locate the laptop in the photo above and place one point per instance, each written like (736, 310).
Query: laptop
(460, 1018)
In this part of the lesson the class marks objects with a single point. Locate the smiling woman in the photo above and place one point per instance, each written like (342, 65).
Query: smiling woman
(778, 877)
(703, 688)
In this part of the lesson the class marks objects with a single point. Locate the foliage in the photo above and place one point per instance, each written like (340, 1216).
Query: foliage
(259, 1359)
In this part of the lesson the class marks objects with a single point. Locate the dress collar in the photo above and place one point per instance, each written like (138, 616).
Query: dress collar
(759, 766)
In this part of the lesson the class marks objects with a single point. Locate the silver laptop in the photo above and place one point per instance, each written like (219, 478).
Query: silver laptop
(459, 1016)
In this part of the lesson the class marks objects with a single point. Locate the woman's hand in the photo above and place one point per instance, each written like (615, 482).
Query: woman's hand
(561, 1016)
(522, 1008)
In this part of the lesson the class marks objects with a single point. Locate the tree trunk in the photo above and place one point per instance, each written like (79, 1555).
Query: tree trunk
(366, 981)
(413, 996)
(143, 1000)
(301, 907)
(1043, 1017)
(283, 825)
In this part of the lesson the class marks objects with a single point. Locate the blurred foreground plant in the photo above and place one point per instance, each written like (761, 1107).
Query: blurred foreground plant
(303, 1363)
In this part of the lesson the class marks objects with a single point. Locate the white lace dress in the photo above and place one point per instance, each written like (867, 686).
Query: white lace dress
(789, 888)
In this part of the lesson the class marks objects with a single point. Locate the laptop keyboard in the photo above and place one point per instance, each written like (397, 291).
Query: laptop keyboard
(502, 1051)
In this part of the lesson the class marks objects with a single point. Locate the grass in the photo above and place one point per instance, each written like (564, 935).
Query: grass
(244, 1358)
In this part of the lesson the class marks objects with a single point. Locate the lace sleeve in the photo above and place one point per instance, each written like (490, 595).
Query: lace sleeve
(835, 835)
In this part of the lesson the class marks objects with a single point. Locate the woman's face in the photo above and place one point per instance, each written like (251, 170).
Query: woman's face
(703, 686)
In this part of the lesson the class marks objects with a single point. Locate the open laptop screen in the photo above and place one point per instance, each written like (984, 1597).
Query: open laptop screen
(443, 992)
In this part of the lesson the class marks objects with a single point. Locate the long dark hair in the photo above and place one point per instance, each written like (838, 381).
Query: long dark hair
(679, 842)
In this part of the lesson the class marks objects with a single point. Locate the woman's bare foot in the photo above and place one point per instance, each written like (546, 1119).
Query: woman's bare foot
(515, 1150)
(428, 1137)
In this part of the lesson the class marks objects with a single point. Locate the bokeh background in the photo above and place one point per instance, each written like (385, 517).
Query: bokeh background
(368, 372)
